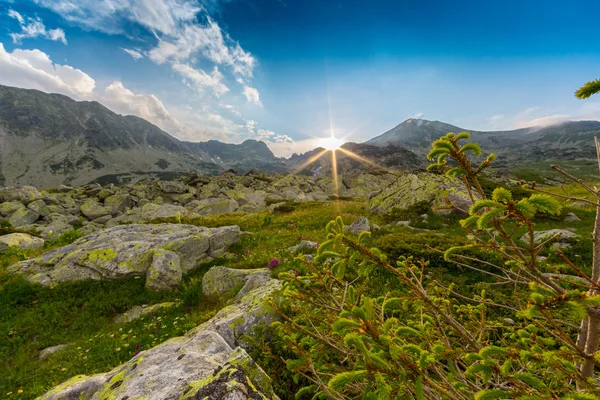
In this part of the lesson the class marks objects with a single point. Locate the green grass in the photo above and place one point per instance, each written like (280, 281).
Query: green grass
(35, 317)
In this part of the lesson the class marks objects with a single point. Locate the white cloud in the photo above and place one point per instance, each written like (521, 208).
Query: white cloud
(252, 95)
(539, 117)
(33, 69)
(133, 53)
(34, 27)
(13, 14)
(231, 108)
(418, 115)
(210, 42)
(111, 16)
(201, 80)
(124, 101)
(57, 35)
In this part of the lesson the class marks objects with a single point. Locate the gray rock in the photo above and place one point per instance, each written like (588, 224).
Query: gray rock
(410, 189)
(303, 246)
(165, 271)
(78, 387)
(48, 351)
(9, 207)
(565, 236)
(570, 217)
(137, 312)
(89, 228)
(103, 220)
(129, 250)
(39, 207)
(362, 224)
(205, 363)
(24, 194)
(220, 281)
(118, 203)
(215, 205)
(104, 194)
(20, 240)
(171, 187)
(22, 216)
(153, 211)
(94, 210)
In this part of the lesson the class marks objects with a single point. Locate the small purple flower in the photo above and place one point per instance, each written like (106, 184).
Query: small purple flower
(274, 263)
(314, 175)
(138, 347)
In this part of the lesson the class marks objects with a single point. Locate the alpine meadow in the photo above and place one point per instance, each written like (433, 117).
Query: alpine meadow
(217, 199)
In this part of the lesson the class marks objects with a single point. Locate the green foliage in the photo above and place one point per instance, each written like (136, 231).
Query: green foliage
(375, 322)
(588, 90)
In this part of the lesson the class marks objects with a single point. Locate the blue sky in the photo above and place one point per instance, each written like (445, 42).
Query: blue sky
(291, 71)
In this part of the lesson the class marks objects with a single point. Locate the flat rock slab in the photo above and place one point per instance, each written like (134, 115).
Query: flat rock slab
(137, 312)
(21, 241)
(206, 363)
(163, 253)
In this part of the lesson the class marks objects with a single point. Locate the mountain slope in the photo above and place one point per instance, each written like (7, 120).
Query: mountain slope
(49, 139)
(565, 141)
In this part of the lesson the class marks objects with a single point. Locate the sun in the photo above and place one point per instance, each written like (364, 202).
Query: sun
(331, 143)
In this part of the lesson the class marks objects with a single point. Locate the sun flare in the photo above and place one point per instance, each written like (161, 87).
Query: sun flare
(331, 143)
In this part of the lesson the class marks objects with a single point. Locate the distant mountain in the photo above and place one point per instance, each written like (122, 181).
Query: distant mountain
(49, 139)
(251, 154)
(565, 141)
(374, 158)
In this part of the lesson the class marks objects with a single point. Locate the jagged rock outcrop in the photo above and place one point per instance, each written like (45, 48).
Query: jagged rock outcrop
(162, 253)
(410, 189)
(206, 363)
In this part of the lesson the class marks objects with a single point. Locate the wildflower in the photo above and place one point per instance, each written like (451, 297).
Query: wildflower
(247, 251)
(274, 263)
(63, 369)
(118, 349)
(9, 393)
(138, 346)
(20, 391)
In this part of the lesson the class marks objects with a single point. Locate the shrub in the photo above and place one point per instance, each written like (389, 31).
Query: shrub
(353, 337)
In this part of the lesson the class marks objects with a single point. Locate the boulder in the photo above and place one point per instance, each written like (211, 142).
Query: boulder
(206, 363)
(220, 281)
(570, 217)
(303, 246)
(137, 312)
(89, 228)
(565, 238)
(165, 271)
(130, 250)
(410, 189)
(153, 211)
(22, 216)
(9, 207)
(171, 187)
(215, 205)
(48, 351)
(362, 224)
(21, 241)
(93, 210)
(118, 204)
(39, 207)
(24, 194)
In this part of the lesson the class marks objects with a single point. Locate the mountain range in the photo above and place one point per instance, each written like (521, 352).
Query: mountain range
(569, 140)
(49, 139)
